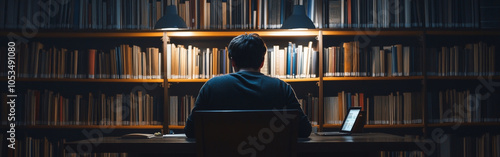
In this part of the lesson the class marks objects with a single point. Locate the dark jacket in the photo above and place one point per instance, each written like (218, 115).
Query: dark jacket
(246, 90)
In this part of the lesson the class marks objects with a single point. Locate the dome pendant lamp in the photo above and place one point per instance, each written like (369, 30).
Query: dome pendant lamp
(171, 20)
(298, 19)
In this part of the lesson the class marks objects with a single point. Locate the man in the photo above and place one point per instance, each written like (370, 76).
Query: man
(247, 88)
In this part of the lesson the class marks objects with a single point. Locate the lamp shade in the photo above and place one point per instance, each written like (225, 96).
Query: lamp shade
(170, 21)
(298, 19)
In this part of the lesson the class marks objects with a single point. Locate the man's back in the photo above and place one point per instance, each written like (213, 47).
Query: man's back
(247, 90)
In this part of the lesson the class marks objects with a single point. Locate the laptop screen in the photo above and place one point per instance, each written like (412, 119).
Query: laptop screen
(350, 119)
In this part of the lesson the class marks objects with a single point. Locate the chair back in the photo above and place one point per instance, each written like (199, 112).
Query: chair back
(246, 133)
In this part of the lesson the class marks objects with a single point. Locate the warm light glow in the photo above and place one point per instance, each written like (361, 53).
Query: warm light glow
(294, 32)
(171, 29)
(236, 33)
(181, 34)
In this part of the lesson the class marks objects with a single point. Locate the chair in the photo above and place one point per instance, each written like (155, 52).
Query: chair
(246, 133)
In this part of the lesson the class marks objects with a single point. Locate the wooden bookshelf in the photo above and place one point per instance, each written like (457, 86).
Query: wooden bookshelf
(263, 33)
(187, 80)
(94, 127)
(301, 80)
(90, 80)
(372, 78)
(176, 127)
(231, 33)
(421, 36)
(94, 34)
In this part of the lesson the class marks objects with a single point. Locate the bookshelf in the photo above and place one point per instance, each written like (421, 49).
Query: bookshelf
(423, 33)
(319, 81)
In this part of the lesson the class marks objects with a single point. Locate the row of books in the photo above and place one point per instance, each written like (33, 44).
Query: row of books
(48, 147)
(180, 109)
(401, 154)
(131, 62)
(53, 108)
(248, 14)
(38, 147)
(469, 60)
(485, 145)
(194, 63)
(189, 62)
(462, 106)
(81, 14)
(310, 106)
(395, 108)
(292, 61)
(350, 60)
(335, 108)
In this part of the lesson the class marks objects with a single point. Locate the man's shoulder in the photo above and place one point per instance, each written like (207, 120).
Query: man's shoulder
(220, 78)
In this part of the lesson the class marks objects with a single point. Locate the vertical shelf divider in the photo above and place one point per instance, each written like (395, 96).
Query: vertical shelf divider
(422, 37)
(320, 82)
(166, 96)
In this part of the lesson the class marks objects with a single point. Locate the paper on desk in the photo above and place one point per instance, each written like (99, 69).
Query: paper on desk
(174, 135)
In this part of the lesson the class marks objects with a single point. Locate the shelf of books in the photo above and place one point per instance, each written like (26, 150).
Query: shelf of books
(455, 40)
(294, 61)
(94, 127)
(93, 34)
(265, 14)
(123, 63)
(90, 80)
(233, 33)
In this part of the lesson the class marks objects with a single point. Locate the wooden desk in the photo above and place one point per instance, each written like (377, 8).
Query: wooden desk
(360, 144)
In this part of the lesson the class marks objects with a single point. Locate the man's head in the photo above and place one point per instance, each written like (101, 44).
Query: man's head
(247, 51)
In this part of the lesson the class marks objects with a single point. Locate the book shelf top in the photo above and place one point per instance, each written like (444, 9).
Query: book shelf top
(232, 33)
(90, 80)
(263, 33)
(94, 127)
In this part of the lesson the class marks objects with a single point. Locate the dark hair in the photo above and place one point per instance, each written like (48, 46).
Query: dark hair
(247, 50)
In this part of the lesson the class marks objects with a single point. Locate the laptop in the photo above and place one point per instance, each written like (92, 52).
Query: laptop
(351, 120)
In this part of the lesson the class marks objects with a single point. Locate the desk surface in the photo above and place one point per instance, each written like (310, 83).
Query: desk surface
(355, 142)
